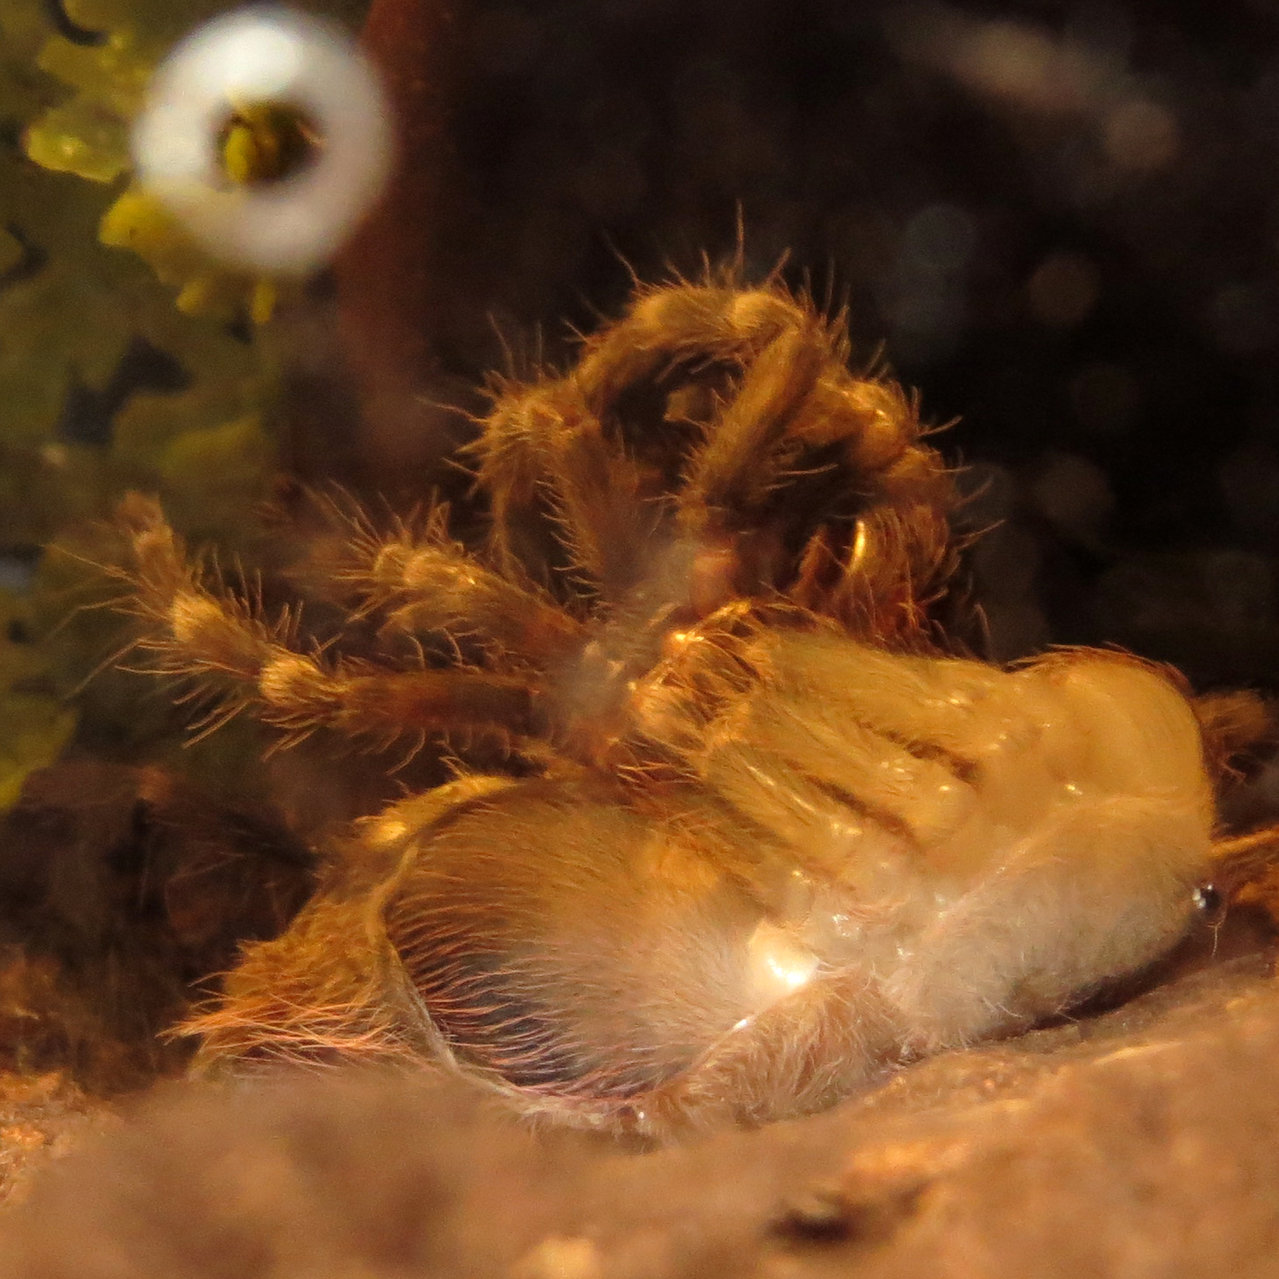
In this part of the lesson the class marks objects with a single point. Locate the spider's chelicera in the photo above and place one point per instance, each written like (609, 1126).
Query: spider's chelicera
(761, 838)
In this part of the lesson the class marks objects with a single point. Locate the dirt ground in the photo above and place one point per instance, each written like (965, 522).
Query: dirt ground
(1142, 1140)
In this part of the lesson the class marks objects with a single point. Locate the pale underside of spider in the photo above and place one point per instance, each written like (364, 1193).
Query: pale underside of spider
(760, 839)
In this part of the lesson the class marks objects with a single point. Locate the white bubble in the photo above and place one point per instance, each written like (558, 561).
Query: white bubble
(266, 55)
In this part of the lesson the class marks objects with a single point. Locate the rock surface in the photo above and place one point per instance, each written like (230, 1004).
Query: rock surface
(1140, 1141)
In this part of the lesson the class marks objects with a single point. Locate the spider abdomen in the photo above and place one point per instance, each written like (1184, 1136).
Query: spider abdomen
(972, 848)
(565, 943)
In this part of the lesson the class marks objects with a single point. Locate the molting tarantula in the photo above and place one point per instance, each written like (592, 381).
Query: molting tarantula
(760, 839)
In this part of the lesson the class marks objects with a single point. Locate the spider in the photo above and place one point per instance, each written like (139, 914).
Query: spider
(756, 837)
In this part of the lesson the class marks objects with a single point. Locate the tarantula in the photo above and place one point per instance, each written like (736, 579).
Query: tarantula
(759, 838)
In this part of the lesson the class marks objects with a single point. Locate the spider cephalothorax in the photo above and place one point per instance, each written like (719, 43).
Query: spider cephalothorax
(759, 839)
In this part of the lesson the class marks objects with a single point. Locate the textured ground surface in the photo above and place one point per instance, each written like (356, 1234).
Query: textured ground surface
(1142, 1141)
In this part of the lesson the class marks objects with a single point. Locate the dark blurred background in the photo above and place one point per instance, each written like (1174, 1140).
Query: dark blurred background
(1060, 221)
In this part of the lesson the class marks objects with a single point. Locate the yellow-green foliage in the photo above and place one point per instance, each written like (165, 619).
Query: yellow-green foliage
(87, 134)
(34, 726)
(69, 307)
(90, 270)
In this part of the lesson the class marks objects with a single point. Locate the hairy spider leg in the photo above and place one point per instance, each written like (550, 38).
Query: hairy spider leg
(796, 411)
(833, 1036)
(418, 581)
(220, 641)
(763, 457)
(544, 456)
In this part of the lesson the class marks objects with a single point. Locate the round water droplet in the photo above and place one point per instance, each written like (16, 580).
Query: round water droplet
(228, 81)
